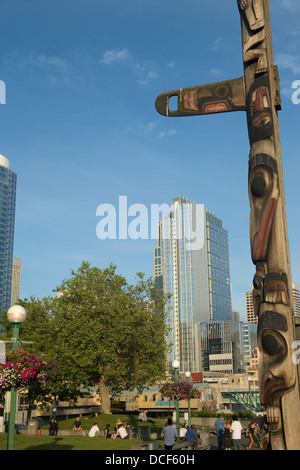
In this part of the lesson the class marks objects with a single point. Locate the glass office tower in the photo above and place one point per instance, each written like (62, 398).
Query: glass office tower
(8, 183)
(194, 257)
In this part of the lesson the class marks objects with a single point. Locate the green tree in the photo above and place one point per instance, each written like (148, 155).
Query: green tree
(36, 335)
(108, 332)
(100, 331)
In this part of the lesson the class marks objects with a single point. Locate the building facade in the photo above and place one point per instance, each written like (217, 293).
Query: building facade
(192, 261)
(296, 299)
(8, 182)
(16, 281)
(252, 318)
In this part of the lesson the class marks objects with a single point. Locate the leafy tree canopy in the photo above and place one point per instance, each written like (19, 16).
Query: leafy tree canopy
(100, 330)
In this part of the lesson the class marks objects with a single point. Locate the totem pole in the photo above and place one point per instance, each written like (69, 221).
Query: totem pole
(257, 93)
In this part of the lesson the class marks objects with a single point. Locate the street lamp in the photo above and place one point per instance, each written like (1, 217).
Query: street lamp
(188, 375)
(16, 315)
(175, 365)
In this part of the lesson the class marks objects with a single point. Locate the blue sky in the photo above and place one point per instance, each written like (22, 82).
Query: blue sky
(80, 128)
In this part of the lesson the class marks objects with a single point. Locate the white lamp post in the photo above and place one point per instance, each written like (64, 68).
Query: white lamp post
(176, 365)
(16, 315)
(188, 374)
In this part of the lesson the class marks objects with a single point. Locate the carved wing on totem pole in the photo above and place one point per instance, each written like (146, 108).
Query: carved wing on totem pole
(257, 93)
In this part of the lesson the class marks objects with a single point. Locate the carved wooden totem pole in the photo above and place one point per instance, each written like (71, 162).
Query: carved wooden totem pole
(257, 93)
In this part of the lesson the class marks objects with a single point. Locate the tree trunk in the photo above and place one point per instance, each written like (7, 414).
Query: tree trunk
(104, 396)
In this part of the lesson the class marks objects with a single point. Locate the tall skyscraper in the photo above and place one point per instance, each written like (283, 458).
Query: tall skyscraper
(8, 183)
(251, 317)
(192, 259)
(16, 281)
(296, 300)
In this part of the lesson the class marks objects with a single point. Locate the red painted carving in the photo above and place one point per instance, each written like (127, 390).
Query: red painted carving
(261, 238)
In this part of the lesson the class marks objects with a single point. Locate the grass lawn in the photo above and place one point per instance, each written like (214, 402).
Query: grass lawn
(24, 442)
(103, 420)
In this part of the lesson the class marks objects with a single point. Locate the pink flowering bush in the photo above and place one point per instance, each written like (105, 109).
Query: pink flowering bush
(179, 391)
(22, 369)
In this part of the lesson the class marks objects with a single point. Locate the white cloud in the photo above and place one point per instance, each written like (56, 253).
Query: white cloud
(111, 56)
(291, 5)
(171, 132)
(53, 68)
(289, 61)
(57, 64)
(53, 61)
(149, 127)
(149, 76)
(145, 70)
(217, 44)
(215, 71)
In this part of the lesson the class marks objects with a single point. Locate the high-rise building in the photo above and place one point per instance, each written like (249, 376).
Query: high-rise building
(8, 183)
(220, 346)
(16, 281)
(158, 261)
(296, 300)
(226, 345)
(192, 260)
(251, 317)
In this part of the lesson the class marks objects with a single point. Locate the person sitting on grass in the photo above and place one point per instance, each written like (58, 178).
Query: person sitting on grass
(107, 433)
(122, 433)
(77, 427)
(94, 431)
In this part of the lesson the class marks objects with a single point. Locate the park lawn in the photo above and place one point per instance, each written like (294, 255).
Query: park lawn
(24, 442)
(102, 420)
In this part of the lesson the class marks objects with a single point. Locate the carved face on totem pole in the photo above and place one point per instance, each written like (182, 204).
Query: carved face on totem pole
(257, 93)
(277, 373)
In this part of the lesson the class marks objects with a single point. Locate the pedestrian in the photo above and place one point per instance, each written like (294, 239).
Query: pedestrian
(250, 432)
(127, 427)
(192, 435)
(121, 433)
(107, 433)
(1, 417)
(94, 431)
(77, 426)
(182, 431)
(118, 423)
(227, 434)
(170, 435)
(53, 427)
(219, 426)
(236, 429)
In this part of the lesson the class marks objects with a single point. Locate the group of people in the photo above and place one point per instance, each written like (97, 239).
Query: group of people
(121, 431)
(170, 434)
(229, 433)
